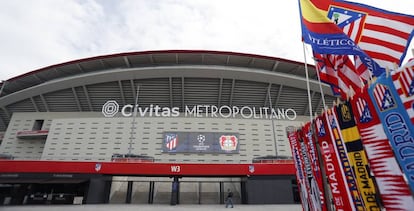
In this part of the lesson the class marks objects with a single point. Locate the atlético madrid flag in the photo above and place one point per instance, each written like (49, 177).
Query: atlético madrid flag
(383, 35)
(310, 183)
(394, 191)
(316, 182)
(321, 33)
(342, 155)
(403, 79)
(357, 157)
(326, 37)
(300, 170)
(336, 180)
(396, 123)
(339, 72)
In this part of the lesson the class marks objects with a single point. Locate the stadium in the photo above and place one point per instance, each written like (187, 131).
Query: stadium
(156, 127)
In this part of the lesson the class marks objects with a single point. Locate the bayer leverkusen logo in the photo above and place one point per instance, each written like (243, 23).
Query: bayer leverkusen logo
(228, 143)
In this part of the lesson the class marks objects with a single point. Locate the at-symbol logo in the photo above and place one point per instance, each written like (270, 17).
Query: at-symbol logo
(110, 108)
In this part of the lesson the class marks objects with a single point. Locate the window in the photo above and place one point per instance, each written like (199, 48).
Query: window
(38, 124)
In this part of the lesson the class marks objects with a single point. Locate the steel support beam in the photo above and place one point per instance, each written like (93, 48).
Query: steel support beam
(182, 93)
(122, 92)
(275, 65)
(76, 99)
(278, 96)
(220, 92)
(171, 92)
(34, 104)
(88, 99)
(44, 102)
(126, 60)
(232, 92)
(268, 92)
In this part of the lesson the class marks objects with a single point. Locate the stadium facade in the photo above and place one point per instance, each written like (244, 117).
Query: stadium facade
(176, 126)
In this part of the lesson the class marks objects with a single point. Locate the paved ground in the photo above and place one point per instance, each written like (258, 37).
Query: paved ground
(144, 207)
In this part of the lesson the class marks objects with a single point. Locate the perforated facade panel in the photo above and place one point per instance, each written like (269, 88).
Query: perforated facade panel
(89, 136)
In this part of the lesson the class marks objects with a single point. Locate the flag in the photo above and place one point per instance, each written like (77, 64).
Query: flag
(383, 35)
(300, 169)
(362, 70)
(327, 73)
(311, 186)
(403, 79)
(396, 123)
(337, 182)
(356, 155)
(326, 37)
(316, 184)
(339, 72)
(341, 153)
(394, 191)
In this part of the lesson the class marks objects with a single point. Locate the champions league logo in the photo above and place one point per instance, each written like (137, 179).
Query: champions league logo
(201, 139)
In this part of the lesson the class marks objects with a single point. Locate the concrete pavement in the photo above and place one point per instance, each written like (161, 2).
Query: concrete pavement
(147, 207)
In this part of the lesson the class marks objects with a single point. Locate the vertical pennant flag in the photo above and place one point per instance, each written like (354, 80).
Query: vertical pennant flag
(337, 182)
(357, 157)
(300, 175)
(341, 153)
(394, 191)
(310, 183)
(396, 123)
(403, 79)
(316, 184)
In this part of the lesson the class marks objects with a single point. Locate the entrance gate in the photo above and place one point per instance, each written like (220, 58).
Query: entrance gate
(158, 190)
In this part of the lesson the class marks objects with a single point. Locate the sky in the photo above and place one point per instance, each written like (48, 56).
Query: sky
(37, 34)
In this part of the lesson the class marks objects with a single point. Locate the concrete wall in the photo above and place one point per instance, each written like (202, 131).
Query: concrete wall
(89, 136)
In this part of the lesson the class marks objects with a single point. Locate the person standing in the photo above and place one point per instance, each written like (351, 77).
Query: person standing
(229, 199)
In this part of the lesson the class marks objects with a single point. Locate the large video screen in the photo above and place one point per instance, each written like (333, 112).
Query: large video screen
(200, 142)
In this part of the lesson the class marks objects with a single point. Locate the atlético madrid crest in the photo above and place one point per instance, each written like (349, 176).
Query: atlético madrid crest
(98, 167)
(228, 143)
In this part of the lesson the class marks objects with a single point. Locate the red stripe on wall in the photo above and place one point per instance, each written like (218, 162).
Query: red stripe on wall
(154, 169)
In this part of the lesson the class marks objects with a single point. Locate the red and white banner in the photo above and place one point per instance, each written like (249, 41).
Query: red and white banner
(394, 191)
(344, 163)
(316, 184)
(300, 171)
(336, 178)
(403, 79)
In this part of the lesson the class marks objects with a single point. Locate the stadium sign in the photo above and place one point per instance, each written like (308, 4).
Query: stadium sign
(112, 108)
(200, 142)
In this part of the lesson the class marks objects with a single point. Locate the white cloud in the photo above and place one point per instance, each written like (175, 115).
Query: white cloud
(54, 31)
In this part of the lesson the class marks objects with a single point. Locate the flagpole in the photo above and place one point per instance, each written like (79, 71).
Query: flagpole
(273, 124)
(307, 83)
(321, 90)
(134, 116)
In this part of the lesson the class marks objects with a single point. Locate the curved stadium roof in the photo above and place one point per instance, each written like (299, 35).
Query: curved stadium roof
(173, 78)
